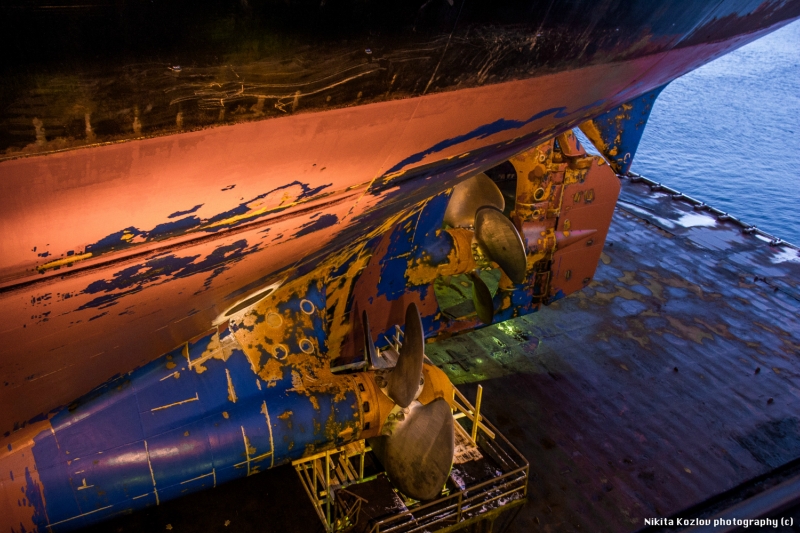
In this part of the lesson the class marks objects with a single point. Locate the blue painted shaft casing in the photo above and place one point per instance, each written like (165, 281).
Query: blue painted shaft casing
(174, 426)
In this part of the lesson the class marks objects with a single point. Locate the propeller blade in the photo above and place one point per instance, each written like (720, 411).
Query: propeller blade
(469, 196)
(500, 239)
(482, 299)
(404, 380)
(370, 353)
(418, 454)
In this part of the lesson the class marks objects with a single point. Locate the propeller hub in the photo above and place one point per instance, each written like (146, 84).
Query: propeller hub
(408, 414)
(382, 412)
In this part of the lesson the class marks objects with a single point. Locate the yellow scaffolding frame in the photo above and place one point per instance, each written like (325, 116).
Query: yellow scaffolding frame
(331, 470)
(315, 473)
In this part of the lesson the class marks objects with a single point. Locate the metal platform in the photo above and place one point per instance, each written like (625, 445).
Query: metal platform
(489, 477)
(671, 379)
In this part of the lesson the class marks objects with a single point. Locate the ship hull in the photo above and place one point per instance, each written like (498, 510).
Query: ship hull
(259, 188)
(113, 255)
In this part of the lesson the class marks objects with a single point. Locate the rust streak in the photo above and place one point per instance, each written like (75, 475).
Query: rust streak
(196, 398)
(231, 391)
(246, 452)
(84, 485)
(65, 261)
(199, 477)
(152, 475)
(80, 515)
(269, 426)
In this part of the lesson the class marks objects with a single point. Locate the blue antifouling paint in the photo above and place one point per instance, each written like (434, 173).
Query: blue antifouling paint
(322, 222)
(431, 218)
(429, 223)
(171, 427)
(487, 130)
(521, 304)
(392, 283)
(33, 495)
(176, 227)
(622, 128)
(187, 212)
(413, 240)
(114, 241)
(244, 207)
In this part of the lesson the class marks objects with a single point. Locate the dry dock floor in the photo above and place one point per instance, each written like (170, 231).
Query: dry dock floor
(673, 377)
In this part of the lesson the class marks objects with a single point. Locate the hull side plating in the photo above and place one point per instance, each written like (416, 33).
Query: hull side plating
(153, 239)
